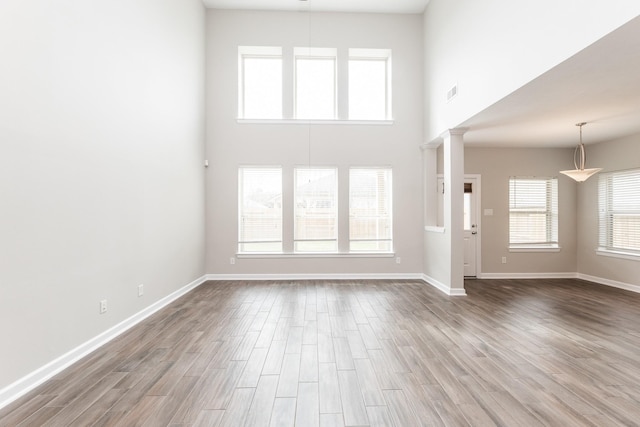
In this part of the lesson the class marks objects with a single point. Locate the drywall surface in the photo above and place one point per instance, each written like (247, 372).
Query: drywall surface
(491, 48)
(231, 144)
(101, 177)
(496, 165)
(612, 156)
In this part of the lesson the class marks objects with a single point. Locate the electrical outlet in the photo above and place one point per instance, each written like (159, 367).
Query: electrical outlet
(140, 290)
(398, 260)
(103, 306)
(232, 260)
(504, 259)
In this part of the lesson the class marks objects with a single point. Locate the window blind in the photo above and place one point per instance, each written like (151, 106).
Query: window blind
(533, 211)
(619, 211)
(260, 210)
(316, 210)
(370, 210)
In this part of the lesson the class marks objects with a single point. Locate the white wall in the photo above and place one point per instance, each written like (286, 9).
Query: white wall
(493, 47)
(101, 180)
(230, 144)
(612, 156)
(496, 165)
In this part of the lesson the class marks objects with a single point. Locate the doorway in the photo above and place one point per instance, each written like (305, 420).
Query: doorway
(471, 222)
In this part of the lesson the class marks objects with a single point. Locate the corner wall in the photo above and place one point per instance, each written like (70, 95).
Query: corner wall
(101, 177)
(612, 156)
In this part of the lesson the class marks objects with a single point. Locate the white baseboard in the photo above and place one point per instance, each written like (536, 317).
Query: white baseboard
(608, 282)
(346, 276)
(442, 287)
(29, 382)
(568, 275)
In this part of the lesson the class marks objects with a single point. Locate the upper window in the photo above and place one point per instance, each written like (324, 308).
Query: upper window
(533, 212)
(619, 206)
(369, 84)
(260, 209)
(260, 82)
(315, 83)
(370, 210)
(316, 210)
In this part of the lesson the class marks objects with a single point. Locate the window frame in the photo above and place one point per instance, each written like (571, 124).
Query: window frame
(315, 53)
(551, 243)
(257, 52)
(241, 189)
(388, 217)
(607, 212)
(335, 208)
(383, 55)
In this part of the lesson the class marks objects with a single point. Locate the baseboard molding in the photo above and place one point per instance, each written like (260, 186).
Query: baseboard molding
(442, 287)
(349, 276)
(568, 275)
(29, 382)
(608, 282)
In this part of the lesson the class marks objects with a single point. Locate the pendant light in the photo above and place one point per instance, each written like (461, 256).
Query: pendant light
(580, 174)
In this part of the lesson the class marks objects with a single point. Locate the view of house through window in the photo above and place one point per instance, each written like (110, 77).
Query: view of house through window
(316, 220)
(370, 208)
(316, 210)
(619, 206)
(533, 212)
(260, 209)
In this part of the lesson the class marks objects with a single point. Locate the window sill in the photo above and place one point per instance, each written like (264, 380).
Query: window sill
(433, 229)
(316, 255)
(554, 248)
(314, 122)
(618, 254)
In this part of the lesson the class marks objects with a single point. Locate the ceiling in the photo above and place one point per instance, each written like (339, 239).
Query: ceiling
(371, 6)
(599, 85)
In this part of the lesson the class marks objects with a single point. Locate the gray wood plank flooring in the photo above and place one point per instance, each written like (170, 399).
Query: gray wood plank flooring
(361, 353)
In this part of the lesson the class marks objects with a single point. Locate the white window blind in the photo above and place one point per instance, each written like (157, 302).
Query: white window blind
(260, 209)
(369, 84)
(316, 210)
(619, 208)
(533, 212)
(315, 83)
(260, 82)
(370, 210)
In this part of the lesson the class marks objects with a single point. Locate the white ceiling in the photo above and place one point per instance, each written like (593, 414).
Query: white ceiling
(372, 6)
(599, 85)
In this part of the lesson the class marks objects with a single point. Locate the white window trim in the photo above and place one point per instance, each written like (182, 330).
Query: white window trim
(314, 122)
(315, 53)
(618, 254)
(377, 55)
(272, 255)
(537, 247)
(534, 248)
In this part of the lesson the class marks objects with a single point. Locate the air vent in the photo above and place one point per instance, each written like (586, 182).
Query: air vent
(451, 93)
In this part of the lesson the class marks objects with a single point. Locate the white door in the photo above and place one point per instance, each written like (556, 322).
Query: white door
(470, 226)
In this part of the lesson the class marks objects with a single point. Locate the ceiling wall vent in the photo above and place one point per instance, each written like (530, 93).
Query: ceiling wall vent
(451, 93)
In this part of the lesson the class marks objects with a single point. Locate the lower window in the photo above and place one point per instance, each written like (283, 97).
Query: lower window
(370, 208)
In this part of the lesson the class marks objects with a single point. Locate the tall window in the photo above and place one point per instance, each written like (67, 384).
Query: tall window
(369, 84)
(370, 210)
(619, 206)
(533, 212)
(260, 82)
(260, 209)
(315, 83)
(316, 210)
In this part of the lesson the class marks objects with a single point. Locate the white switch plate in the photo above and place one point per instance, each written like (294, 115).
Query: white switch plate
(103, 306)
(140, 290)
(488, 212)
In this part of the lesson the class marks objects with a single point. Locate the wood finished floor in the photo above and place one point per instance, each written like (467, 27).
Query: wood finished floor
(362, 353)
